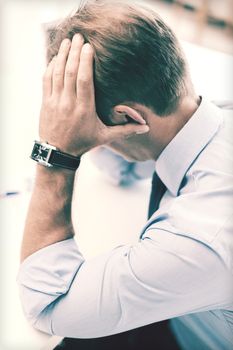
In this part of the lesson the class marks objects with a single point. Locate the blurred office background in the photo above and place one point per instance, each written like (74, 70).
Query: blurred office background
(206, 23)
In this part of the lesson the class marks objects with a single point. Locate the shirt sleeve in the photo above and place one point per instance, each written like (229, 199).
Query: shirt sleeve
(158, 278)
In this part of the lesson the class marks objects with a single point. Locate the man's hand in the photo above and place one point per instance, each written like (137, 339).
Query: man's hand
(68, 117)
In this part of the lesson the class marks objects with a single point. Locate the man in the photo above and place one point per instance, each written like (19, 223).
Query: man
(128, 87)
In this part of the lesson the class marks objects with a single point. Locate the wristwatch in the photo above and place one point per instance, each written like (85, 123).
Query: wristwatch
(50, 156)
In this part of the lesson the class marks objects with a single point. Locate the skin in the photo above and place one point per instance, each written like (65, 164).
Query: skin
(68, 120)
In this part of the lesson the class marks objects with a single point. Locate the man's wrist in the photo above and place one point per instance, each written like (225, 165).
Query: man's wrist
(50, 156)
(55, 180)
(54, 172)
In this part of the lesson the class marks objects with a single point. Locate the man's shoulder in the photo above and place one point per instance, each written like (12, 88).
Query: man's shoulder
(202, 211)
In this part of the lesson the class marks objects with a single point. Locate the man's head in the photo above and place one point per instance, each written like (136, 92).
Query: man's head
(137, 57)
(138, 61)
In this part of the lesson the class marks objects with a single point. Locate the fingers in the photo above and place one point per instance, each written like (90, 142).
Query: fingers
(114, 133)
(47, 79)
(85, 85)
(72, 70)
(59, 68)
(72, 64)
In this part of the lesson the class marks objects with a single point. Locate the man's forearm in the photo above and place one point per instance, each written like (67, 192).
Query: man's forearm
(49, 215)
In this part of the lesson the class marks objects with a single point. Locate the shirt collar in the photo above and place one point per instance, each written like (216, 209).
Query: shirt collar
(179, 154)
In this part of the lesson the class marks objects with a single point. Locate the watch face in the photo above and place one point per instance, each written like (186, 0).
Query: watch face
(40, 153)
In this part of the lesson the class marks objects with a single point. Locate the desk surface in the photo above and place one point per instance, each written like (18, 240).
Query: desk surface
(98, 199)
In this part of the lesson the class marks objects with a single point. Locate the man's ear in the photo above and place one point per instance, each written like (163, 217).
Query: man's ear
(122, 114)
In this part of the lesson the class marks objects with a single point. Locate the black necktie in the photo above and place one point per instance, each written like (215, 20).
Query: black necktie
(157, 191)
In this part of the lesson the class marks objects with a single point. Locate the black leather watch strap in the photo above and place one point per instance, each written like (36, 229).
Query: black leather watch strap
(64, 160)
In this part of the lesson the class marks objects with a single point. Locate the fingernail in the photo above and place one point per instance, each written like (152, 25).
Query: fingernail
(87, 48)
(78, 36)
(65, 42)
(144, 129)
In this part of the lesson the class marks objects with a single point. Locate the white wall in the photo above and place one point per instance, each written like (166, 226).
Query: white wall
(22, 65)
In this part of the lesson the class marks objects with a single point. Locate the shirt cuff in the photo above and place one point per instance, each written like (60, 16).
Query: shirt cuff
(46, 275)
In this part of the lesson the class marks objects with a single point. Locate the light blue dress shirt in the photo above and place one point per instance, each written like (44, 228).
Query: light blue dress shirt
(180, 269)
